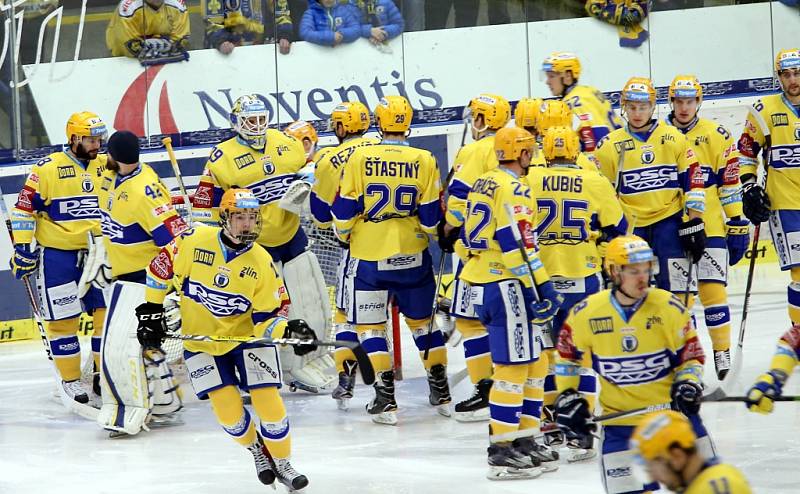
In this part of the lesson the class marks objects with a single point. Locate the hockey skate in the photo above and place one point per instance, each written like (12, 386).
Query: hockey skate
(264, 469)
(580, 449)
(476, 407)
(553, 436)
(347, 381)
(288, 476)
(75, 390)
(439, 389)
(538, 452)
(383, 408)
(507, 463)
(722, 363)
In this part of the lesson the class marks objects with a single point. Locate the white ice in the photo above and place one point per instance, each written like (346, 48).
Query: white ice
(44, 449)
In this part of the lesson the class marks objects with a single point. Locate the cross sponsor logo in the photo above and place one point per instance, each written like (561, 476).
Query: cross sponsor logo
(220, 304)
(639, 369)
(260, 364)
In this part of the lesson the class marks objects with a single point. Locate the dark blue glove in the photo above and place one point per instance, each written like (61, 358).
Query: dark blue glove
(298, 328)
(549, 302)
(686, 396)
(24, 261)
(738, 238)
(573, 415)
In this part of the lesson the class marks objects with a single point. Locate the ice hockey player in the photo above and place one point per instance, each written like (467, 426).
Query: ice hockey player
(296, 199)
(267, 161)
(499, 208)
(229, 287)
(137, 220)
(485, 114)
(659, 183)
(391, 191)
(57, 207)
(597, 118)
(768, 386)
(646, 353)
(727, 231)
(349, 121)
(576, 208)
(667, 445)
(773, 128)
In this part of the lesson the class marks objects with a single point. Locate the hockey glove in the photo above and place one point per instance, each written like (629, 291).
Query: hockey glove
(447, 241)
(549, 302)
(755, 203)
(692, 235)
(738, 236)
(573, 416)
(24, 261)
(759, 398)
(686, 396)
(298, 328)
(151, 330)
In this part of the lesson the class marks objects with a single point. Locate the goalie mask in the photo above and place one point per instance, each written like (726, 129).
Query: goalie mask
(240, 215)
(250, 120)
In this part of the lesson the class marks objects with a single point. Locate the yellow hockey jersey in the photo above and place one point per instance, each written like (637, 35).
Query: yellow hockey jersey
(637, 353)
(659, 175)
(222, 292)
(134, 20)
(492, 253)
(327, 176)
(574, 207)
(268, 174)
(389, 200)
(596, 117)
(137, 218)
(718, 157)
(719, 478)
(58, 203)
(774, 124)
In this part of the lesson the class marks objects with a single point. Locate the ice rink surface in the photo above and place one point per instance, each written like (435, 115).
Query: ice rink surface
(44, 449)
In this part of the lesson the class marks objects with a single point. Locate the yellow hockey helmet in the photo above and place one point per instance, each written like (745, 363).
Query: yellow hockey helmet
(302, 130)
(237, 201)
(638, 89)
(660, 431)
(393, 114)
(686, 86)
(353, 115)
(562, 61)
(495, 109)
(86, 124)
(509, 142)
(560, 142)
(555, 113)
(627, 249)
(787, 59)
(527, 111)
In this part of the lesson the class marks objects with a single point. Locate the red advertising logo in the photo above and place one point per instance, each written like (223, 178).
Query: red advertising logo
(133, 105)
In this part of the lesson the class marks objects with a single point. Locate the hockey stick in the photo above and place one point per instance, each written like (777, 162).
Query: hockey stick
(434, 309)
(81, 409)
(167, 141)
(744, 398)
(630, 413)
(364, 365)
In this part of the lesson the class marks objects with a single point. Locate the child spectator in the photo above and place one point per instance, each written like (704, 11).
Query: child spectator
(329, 23)
(380, 20)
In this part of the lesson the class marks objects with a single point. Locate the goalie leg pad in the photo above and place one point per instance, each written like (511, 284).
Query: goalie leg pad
(126, 401)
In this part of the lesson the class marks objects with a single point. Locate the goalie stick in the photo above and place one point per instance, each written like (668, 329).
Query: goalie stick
(167, 141)
(364, 364)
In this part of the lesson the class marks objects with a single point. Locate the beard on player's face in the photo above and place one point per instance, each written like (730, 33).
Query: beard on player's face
(111, 164)
(84, 154)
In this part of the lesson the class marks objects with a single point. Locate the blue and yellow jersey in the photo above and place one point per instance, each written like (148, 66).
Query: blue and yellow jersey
(222, 292)
(492, 253)
(575, 207)
(58, 203)
(637, 353)
(472, 161)
(718, 157)
(658, 175)
(137, 218)
(135, 20)
(268, 174)
(787, 354)
(327, 175)
(594, 113)
(389, 201)
(719, 478)
(775, 124)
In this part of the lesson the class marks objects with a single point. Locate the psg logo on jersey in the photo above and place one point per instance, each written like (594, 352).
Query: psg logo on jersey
(648, 157)
(221, 280)
(87, 185)
(629, 343)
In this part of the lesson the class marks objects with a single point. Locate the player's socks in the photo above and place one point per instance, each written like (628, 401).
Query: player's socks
(476, 407)
(439, 389)
(347, 381)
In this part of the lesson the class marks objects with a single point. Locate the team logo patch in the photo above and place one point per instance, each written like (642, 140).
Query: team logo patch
(25, 199)
(202, 196)
(87, 185)
(648, 157)
(221, 280)
(797, 133)
(629, 343)
(204, 257)
(175, 225)
(161, 266)
(601, 325)
(269, 166)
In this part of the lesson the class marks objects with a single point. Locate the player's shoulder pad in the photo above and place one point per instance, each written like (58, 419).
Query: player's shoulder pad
(178, 5)
(668, 301)
(127, 8)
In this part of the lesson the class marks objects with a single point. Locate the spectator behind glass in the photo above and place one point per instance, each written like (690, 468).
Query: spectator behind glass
(437, 12)
(380, 20)
(627, 15)
(329, 23)
(154, 31)
(241, 23)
